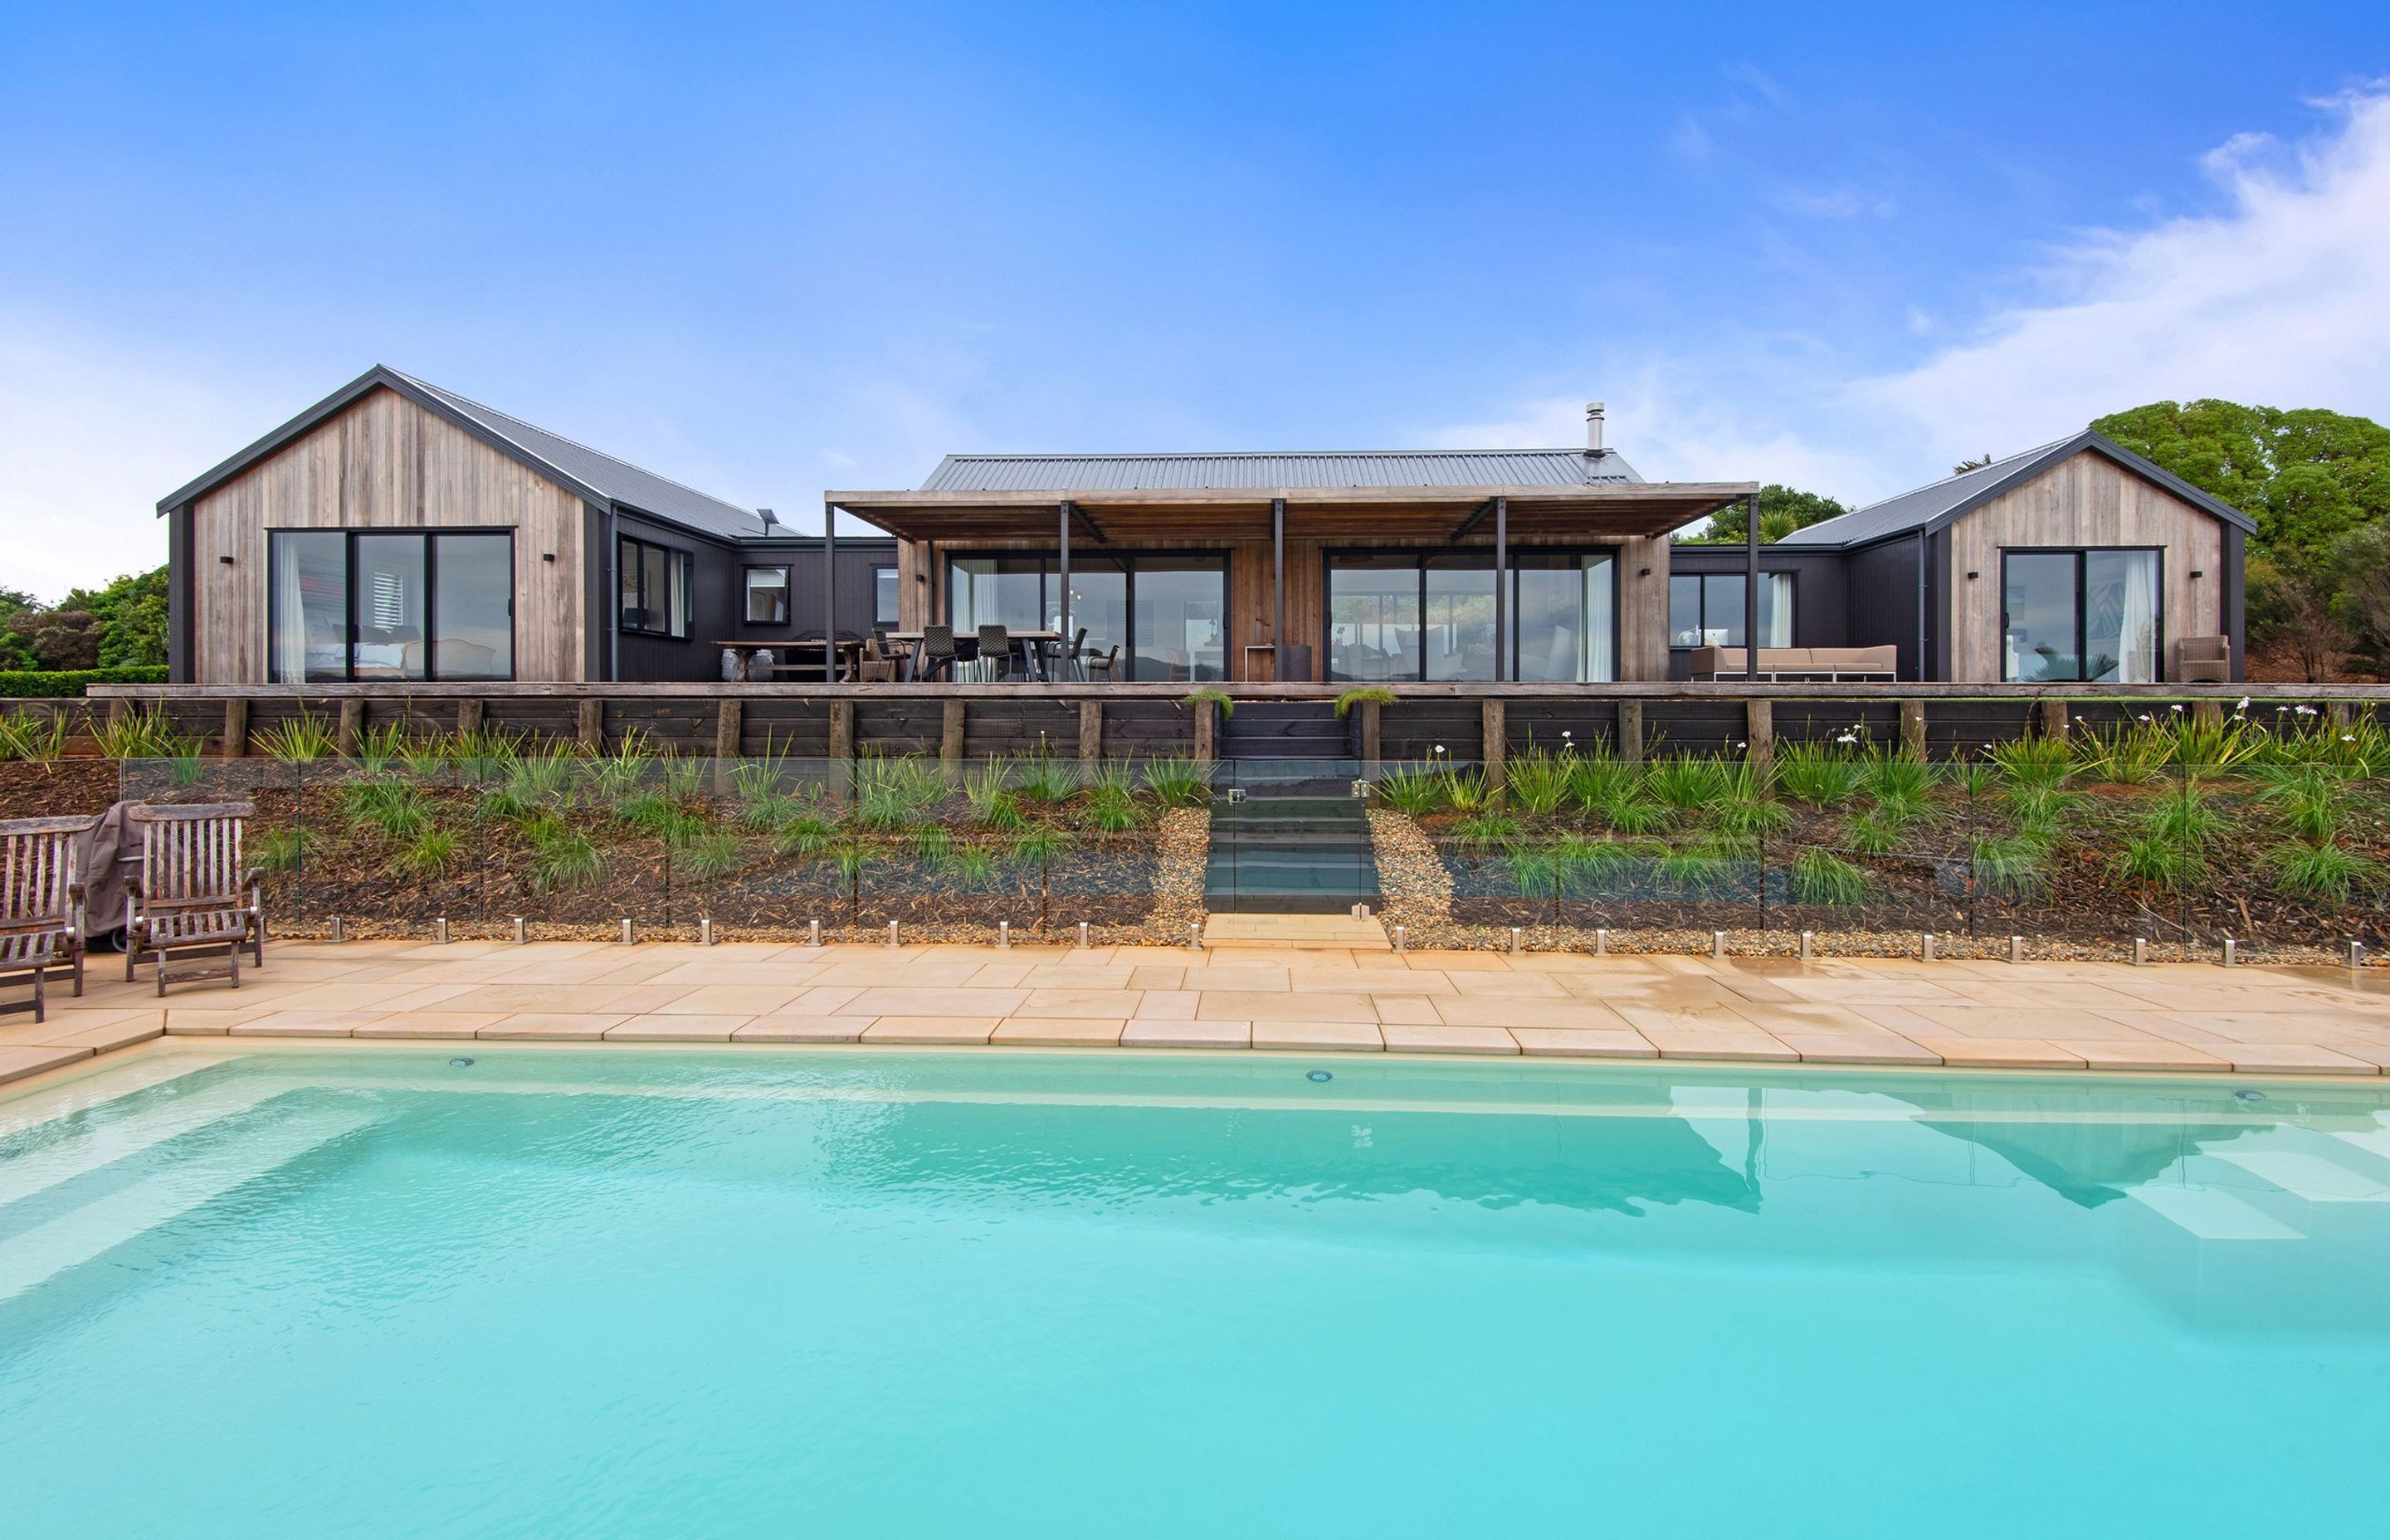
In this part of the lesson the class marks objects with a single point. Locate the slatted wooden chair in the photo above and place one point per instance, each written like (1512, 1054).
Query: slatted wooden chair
(41, 905)
(194, 894)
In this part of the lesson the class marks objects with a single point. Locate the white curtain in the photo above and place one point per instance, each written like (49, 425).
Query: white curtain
(1776, 603)
(290, 639)
(2137, 643)
(1598, 620)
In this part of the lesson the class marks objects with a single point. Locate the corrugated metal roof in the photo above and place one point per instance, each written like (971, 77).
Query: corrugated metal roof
(1910, 510)
(1314, 470)
(601, 472)
(1935, 506)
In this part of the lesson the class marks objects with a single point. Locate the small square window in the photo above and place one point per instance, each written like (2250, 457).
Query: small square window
(768, 596)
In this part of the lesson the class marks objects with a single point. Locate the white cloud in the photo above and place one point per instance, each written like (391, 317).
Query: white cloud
(2282, 297)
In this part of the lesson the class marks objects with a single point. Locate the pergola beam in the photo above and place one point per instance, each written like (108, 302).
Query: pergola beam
(1476, 517)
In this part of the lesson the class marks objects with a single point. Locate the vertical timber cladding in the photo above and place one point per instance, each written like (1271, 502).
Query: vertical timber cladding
(385, 463)
(2085, 500)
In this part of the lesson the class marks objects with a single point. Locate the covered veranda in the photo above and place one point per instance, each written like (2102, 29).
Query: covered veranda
(1284, 581)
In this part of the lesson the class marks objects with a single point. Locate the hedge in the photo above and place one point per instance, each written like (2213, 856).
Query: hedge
(51, 684)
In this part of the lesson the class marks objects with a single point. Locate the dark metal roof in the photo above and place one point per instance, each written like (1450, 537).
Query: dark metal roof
(595, 476)
(1936, 507)
(1311, 470)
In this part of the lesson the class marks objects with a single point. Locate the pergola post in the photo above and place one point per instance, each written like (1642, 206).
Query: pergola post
(1501, 588)
(1278, 567)
(829, 593)
(1751, 588)
(1062, 652)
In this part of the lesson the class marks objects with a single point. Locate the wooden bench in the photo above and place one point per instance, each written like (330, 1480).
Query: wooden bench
(1830, 663)
(41, 904)
(194, 894)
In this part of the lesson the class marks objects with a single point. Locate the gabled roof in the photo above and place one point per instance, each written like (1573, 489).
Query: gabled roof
(1936, 508)
(1299, 470)
(595, 477)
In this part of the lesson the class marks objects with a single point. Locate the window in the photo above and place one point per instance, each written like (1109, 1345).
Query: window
(2091, 615)
(1412, 616)
(387, 605)
(768, 596)
(884, 596)
(1706, 610)
(1168, 615)
(655, 584)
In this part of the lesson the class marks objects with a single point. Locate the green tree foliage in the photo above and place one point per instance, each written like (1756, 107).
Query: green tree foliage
(2308, 477)
(1782, 509)
(120, 625)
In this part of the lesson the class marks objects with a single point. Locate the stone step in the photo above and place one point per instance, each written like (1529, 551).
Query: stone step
(1295, 931)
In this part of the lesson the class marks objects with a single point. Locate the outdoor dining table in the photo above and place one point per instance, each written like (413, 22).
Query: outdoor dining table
(1037, 642)
(745, 651)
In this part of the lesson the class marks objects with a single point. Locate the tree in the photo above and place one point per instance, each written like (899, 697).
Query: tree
(132, 615)
(2292, 607)
(1782, 509)
(1978, 463)
(2308, 477)
(2363, 559)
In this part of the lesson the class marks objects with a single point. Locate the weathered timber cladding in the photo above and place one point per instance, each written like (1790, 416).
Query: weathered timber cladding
(1876, 722)
(1415, 730)
(1692, 727)
(385, 464)
(1537, 725)
(906, 726)
(1959, 730)
(794, 729)
(1022, 725)
(1148, 729)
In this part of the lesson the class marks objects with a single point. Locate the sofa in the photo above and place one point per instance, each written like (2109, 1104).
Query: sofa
(1798, 663)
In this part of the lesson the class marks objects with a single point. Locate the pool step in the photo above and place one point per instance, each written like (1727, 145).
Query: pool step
(105, 1143)
(37, 1255)
(2211, 1214)
(2311, 1178)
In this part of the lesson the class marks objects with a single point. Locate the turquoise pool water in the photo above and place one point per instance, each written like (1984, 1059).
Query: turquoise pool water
(551, 1292)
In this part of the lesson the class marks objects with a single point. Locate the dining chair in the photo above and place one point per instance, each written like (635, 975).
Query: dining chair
(1102, 665)
(934, 653)
(996, 650)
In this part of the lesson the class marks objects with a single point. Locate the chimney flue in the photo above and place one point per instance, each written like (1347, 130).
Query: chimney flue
(1593, 413)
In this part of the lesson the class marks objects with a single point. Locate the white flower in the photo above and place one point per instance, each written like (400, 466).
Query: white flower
(2175, 707)
(2348, 738)
(2244, 705)
(2304, 711)
(1846, 738)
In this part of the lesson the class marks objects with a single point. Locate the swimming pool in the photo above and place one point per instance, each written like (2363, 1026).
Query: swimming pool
(375, 1291)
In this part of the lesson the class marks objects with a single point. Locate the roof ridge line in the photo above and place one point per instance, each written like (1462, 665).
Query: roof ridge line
(1957, 475)
(585, 448)
(1254, 454)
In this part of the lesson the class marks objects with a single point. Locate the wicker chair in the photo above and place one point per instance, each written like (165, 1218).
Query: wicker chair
(194, 894)
(934, 653)
(876, 665)
(995, 652)
(41, 905)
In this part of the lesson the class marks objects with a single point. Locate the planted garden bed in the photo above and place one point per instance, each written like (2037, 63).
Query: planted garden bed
(2157, 828)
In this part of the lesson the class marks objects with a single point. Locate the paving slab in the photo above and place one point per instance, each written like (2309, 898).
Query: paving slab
(1167, 1032)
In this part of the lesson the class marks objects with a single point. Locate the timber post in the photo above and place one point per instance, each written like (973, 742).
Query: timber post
(1203, 719)
(1373, 735)
(1759, 733)
(1494, 743)
(728, 725)
(353, 724)
(469, 715)
(950, 735)
(1912, 730)
(1091, 730)
(590, 723)
(2053, 716)
(235, 728)
(1630, 730)
(841, 749)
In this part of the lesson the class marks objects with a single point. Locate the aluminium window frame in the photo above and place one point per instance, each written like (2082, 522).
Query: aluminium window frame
(1049, 560)
(2082, 609)
(788, 571)
(1421, 555)
(687, 566)
(1793, 595)
(429, 534)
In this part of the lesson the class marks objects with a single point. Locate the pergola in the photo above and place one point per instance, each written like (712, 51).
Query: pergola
(1426, 516)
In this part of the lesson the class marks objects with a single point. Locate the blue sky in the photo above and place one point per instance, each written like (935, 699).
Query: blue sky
(769, 249)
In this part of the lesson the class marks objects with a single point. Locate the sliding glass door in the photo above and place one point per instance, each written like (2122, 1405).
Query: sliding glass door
(1430, 616)
(389, 605)
(1166, 613)
(2087, 615)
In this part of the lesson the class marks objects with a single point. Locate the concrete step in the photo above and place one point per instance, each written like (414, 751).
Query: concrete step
(1296, 932)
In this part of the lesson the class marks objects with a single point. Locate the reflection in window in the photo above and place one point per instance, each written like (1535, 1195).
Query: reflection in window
(1706, 610)
(883, 596)
(1412, 616)
(1168, 615)
(2079, 615)
(655, 588)
(389, 605)
(768, 596)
